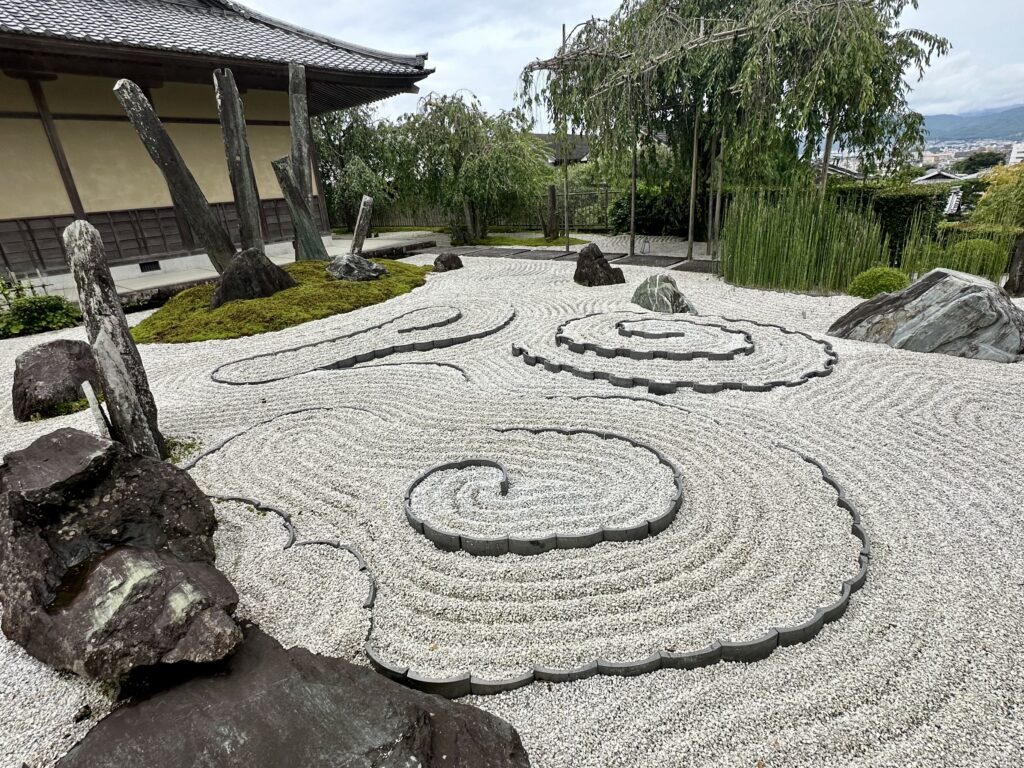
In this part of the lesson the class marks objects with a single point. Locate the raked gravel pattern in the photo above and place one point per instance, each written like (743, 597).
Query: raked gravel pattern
(924, 668)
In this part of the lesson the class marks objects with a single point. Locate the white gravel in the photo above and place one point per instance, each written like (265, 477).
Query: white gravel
(925, 668)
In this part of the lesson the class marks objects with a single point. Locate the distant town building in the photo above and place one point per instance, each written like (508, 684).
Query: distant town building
(1016, 153)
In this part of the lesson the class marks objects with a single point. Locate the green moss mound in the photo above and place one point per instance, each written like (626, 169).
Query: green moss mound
(872, 282)
(188, 317)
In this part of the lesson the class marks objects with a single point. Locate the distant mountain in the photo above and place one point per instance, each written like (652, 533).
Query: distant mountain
(1003, 124)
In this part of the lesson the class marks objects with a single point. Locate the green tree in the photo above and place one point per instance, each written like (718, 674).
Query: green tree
(1002, 206)
(979, 161)
(356, 158)
(472, 165)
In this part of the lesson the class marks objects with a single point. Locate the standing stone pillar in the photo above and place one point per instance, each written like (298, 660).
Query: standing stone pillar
(299, 112)
(236, 149)
(362, 225)
(184, 189)
(309, 246)
(130, 403)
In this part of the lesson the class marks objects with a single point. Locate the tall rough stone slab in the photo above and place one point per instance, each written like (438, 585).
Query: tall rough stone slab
(272, 707)
(236, 151)
(51, 375)
(362, 225)
(106, 559)
(309, 246)
(123, 378)
(184, 188)
(251, 276)
(948, 312)
(659, 293)
(593, 269)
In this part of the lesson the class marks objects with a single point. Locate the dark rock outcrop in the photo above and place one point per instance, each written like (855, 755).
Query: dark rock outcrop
(355, 268)
(50, 376)
(447, 262)
(106, 559)
(251, 275)
(592, 268)
(949, 312)
(659, 293)
(271, 707)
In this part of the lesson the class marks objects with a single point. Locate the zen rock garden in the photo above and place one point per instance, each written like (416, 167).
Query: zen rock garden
(565, 510)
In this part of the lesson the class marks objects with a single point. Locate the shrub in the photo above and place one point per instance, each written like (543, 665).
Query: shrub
(658, 212)
(795, 241)
(979, 257)
(36, 314)
(897, 207)
(876, 280)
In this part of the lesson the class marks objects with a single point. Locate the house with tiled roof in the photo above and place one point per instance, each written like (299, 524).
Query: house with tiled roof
(67, 150)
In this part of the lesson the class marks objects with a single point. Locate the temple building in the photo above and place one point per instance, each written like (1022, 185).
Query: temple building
(68, 152)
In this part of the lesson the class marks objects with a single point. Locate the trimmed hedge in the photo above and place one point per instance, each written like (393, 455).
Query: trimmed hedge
(872, 282)
(897, 206)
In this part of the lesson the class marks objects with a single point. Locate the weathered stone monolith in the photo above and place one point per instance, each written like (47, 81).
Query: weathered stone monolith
(130, 403)
(299, 113)
(309, 246)
(184, 189)
(362, 225)
(236, 149)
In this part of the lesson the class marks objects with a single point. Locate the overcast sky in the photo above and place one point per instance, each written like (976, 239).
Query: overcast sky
(483, 46)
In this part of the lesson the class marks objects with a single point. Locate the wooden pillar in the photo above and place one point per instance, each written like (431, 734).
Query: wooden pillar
(56, 147)
(236, 150)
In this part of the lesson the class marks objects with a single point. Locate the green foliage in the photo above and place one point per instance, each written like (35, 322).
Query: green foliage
(1003, 201)
(60, 409)
(978, 161)
(976, 249)
(658, 212)
(897, 206)
(35, 314)
(180, 448)
(471, 165)
(187, 317)
(876, 280)
(796, 241)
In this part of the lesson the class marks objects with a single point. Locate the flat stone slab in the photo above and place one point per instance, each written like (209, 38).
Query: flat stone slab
(703, 266)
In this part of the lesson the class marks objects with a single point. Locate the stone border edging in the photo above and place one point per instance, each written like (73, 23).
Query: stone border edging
(746, 651)
(376, 354)
(579, 347)
(671, 387)
(504, 545)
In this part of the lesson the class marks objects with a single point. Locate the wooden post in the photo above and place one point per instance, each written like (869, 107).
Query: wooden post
(693, 180)
(362, 225)
(182, 184)
(551, 221)
(236, 150)
(309, 246)
(632, 200)
(133, 416)
(299, 109)
(50, 128)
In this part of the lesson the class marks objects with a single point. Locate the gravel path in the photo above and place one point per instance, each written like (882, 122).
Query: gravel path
(925, 667)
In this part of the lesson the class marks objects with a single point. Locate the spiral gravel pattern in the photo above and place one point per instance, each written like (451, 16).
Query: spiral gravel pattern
(924, 668)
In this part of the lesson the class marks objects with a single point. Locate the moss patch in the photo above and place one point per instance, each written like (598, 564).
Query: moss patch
(180, 448)
(188, 317)
(61, 409)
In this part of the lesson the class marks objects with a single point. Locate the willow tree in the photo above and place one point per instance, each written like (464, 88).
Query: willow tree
(474, 166)
(762, 78)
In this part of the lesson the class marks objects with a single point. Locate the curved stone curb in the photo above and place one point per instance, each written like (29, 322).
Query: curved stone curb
(286, 518)
(579, 347)
(375, 354)
(745, 651)
(671, 387)
(371, 596)
(504, 545)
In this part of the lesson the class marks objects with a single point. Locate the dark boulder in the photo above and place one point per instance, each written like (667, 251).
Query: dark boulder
(593, 269)
(270, 707)
(106, 559)
(948, 312)
(354, 268)
(48, 378)
(251, 275)
(447, 262)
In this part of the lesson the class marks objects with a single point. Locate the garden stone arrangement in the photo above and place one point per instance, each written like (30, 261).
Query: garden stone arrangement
(49, 377)
(640, 538)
